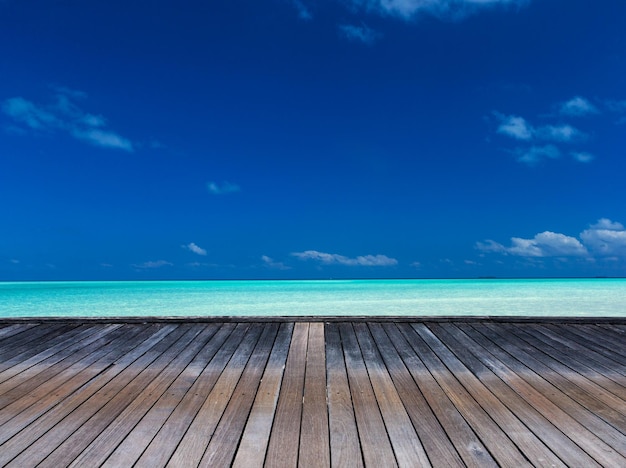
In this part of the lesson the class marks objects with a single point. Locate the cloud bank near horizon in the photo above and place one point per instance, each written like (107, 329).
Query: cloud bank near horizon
(604, 239)
(336, 259)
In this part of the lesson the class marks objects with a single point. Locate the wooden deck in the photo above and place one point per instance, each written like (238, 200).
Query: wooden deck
(360, 393)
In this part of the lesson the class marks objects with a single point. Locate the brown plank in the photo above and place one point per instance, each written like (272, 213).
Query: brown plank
(167, 439)
(345, 448)
(375, 443)
(314, 436)
(256, 434)
(192, 446)
(38, 437)
(284, 440)
(130, 449)
(406, 444)
(465, 441)
(446, 370)
(432, 435)
(468, 351)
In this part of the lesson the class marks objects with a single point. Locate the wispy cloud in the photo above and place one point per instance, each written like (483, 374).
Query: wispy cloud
(578, 107)
(514, 127)
(443, 9)
(304, 13)
(545, 244)
(192, 247)
(151, 264)
(362, 33)
(542, 140)
(269, 262)
(535, 154)
(63, 115)
(604, 239)
(223, 189)
(518, 128)
(336, 259)
(583, 157)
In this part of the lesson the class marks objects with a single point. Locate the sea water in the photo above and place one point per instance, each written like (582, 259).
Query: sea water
(498, 297)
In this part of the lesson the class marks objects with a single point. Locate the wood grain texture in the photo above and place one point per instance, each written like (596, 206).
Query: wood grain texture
(444, 393)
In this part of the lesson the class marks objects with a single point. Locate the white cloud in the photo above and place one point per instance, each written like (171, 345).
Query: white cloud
(535, 154)
(444, 9)
(103, 138)
(514, 127)
(192, 247)
(545, 244)
(605, 238)
(336, 259)
(583, 157)
(362, 33)
(151, 264)
(578, 107)
(518, 128)
(223, 189)
(269, 262)
(63, 115)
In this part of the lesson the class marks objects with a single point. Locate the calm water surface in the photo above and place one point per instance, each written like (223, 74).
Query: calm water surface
(537, 297)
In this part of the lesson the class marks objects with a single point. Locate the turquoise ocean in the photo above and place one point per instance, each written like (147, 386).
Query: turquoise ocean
(498, 297)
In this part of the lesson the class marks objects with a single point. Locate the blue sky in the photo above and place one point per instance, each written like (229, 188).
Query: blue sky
(312, 139)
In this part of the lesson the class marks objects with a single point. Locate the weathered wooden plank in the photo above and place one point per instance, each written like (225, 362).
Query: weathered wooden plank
(109, 437)
(528, 443)
(22, 378)
(592, 335)
(284, 440)
(432, 435)
(406, 444)
(462, 436)
(38, 437)
(375, 443)
(314, 436)
(137, 392)
(570, 367)
(40, 400)
(223, 444)
(43, 338)
(256, 434)
(192, 446)
(582, 405)
(583, 351)
(9, 331)
(130, 449)
(345, 448)
(534, 389)
(463, 392)
(468, 351)
(165, 442)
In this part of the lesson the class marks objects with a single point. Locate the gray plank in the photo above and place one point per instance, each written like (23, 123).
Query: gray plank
(256, 434)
